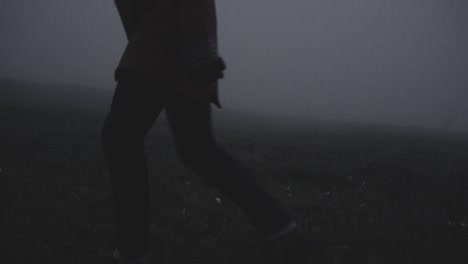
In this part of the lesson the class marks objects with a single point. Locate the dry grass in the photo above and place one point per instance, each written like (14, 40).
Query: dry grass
(378, 197)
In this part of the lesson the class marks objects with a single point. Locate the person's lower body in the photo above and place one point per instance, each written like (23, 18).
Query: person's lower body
(135, 107)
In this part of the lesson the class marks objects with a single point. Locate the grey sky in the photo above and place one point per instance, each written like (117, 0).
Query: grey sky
(400, 61)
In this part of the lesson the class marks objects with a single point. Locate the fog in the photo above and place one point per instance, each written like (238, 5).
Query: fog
(402, 62)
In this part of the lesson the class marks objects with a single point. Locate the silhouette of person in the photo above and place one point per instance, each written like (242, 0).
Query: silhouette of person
(171, 62)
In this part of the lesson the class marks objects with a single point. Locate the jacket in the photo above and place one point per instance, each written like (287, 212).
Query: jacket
(158, 34)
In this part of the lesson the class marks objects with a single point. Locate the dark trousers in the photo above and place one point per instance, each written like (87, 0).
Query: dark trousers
(135, 107)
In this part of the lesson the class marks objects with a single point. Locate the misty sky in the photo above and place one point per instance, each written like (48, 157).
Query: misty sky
(398, 62)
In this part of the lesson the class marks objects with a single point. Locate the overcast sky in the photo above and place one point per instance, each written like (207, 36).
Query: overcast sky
(398, 62)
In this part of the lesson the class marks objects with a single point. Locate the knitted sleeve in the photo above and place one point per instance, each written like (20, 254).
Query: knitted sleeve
(198, 33)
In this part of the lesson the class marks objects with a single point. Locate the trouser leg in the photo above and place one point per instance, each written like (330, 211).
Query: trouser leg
(135, 107)
(190, 124)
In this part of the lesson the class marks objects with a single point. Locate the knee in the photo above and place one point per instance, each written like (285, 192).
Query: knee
(114, 136)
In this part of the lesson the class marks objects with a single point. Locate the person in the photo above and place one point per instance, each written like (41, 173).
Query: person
(171, 62)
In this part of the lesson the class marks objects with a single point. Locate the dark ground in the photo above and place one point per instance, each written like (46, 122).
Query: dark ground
(379, 194)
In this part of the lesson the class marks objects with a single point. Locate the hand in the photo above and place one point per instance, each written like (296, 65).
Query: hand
(207, 71)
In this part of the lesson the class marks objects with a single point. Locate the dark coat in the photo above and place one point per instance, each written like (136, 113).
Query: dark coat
(155, 30)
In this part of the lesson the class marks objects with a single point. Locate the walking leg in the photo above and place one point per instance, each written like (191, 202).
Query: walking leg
(190, 124)
(135, 107)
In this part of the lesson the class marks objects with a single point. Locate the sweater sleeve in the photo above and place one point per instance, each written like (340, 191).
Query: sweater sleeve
(198, 33)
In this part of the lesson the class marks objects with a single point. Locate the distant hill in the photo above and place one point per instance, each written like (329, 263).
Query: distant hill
(35, 95)
(20, 93)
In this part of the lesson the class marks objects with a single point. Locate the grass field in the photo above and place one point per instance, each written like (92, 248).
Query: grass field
(379, 194)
